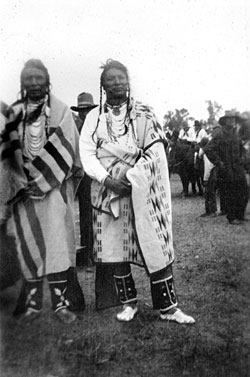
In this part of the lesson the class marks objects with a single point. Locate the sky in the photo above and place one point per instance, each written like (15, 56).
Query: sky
(179, 53)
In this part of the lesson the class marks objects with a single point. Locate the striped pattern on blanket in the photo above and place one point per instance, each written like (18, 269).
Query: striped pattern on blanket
(13, 179)
(58, 158)
(44, 222)
(45, 232)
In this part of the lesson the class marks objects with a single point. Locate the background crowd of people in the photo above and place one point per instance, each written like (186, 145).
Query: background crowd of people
(221, 157)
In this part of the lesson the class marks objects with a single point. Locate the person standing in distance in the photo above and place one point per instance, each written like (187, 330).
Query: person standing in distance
(85, 104)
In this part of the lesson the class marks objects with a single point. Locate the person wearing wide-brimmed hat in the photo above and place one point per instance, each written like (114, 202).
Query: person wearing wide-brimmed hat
(85, 104)
(187, 133)
(200, 132)
(224, 151)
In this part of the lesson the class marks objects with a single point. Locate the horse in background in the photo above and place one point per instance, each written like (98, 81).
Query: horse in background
(181, 161)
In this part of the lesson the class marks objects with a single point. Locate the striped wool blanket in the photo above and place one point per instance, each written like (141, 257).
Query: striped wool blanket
(13, 180)
(44, 222)
(56, 161)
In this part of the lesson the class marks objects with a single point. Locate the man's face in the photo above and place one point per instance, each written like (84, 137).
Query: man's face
(82, 113)
(115, 84)
(230, 122)
(35, 83)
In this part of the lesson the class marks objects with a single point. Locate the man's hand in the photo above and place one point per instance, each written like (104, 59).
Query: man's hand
(122, 187)
(32, 193)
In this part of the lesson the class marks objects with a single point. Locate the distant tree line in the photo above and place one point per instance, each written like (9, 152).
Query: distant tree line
(175, 119)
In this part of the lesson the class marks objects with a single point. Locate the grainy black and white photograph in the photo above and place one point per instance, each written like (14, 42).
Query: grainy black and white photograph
(124, 188)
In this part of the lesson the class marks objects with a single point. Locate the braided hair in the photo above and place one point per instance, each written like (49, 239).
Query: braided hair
(110, 64)
(34, 63)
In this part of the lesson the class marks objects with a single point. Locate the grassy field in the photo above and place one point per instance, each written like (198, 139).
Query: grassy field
(212, 275)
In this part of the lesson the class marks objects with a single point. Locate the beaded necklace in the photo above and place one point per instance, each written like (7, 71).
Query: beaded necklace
(35, 126)
(117, 124)
(116, 109)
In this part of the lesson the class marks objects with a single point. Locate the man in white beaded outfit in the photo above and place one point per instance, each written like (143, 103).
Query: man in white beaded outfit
(122, 150)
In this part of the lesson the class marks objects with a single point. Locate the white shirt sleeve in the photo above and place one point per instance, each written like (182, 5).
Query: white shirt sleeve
(201, 153)
(87, 146)
(201, 134)
(181, 134)
(191, 135)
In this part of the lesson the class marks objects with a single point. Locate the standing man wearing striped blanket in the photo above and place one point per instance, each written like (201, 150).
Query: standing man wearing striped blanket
(42, 128)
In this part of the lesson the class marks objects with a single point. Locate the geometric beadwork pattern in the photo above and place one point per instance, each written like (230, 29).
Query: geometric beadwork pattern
(116, 237)
(152, 208)
(137, 228)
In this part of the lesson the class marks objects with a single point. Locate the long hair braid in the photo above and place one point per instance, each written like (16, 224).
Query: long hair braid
(33, 116)
(128, 100)
(100, 107)
(100, 111)
(23, 94)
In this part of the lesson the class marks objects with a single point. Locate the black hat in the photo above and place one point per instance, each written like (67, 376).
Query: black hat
(228, 114)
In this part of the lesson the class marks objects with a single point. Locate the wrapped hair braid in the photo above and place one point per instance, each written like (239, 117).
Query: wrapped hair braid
(33, 116)
(100, 111)
(128, 100)
(23, 93)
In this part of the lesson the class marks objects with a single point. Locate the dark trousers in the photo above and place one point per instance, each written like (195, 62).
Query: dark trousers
(236, 196)
(85, 217)
(222, 187)
(162, 287)
(210, 193)
(73, 294)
